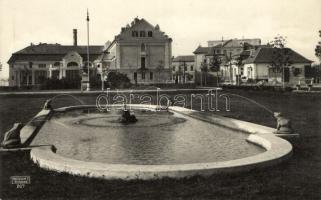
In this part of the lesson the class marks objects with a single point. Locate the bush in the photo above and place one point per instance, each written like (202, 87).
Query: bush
(118, 80)
(52, 84)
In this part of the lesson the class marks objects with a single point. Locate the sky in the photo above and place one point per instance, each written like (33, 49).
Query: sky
(189, 23)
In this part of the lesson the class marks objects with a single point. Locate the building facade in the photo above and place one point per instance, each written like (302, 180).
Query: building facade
(36, 63)
(224, 51)
(260, 66)
(183, 70)
(141, 51)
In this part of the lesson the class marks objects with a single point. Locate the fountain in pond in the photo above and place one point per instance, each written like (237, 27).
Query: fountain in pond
(127, 117)
(177, 143)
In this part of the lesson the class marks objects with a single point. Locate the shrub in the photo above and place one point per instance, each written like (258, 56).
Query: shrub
(118, 80)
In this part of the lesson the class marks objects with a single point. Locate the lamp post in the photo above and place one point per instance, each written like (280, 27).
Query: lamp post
(87, 19)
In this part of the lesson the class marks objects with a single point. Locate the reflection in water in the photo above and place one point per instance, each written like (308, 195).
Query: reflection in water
(157, 138)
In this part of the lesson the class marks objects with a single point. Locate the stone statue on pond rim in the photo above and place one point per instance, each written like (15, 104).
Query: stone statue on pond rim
(283, 124)
(47, 105)
(12, 137)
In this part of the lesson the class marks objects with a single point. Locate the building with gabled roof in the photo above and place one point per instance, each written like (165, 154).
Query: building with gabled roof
(258, 65)
(37, 62)
(141, 51)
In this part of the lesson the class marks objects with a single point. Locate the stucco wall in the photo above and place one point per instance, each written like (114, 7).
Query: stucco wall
(129, 57)
(156, 54)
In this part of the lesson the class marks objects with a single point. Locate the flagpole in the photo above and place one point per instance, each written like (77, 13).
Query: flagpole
(88, 64)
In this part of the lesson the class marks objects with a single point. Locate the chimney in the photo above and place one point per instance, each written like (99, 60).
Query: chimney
(75, 37)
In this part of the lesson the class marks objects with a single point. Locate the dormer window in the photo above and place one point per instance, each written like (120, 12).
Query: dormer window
(142, 34)
(150, 34)
(135, 33)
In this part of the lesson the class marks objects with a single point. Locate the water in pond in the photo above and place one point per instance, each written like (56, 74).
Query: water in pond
(157, 138)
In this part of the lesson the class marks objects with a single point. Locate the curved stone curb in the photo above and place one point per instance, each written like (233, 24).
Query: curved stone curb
(277, 150)
(29, 131)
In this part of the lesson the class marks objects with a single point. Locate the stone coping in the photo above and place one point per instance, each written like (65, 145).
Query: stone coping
(277, 150)
(29, 130)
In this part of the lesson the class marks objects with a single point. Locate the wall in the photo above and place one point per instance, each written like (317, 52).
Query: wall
(156, 54)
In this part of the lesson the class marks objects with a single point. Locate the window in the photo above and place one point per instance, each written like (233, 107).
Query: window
(192, 67)
(185, 68)
(134, 33)
(173, 68)
(12, 77)
(40, 76)
(30, 65)
(151, 75)
(142, 34)
(72, 74)
(142, 62)
(135, 75)
(225, 53)
(72, 64)
(143, 47)
(143, 75)
(42, 65)
(55, 74)
(150, 34)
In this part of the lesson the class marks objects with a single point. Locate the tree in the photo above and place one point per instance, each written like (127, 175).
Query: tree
(118, 80)
(318, 49)
(104, 74)
(280, 56)
(204, 70)
(215, 66)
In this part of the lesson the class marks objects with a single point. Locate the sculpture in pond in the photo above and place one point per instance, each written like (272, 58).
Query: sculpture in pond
(47, 105)
(12, 137)
(283, 124)
(126, 117)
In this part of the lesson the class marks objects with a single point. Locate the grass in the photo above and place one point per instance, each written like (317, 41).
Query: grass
(299, 178)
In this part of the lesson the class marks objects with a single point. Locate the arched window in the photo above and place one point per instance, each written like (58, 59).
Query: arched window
(72, 64)
(143, 47)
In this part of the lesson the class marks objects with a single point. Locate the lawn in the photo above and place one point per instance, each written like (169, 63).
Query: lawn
(299, 178)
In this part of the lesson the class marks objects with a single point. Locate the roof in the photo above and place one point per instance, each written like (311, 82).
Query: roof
(53, 52)
(266, 54)
(201, 50)
(188, 58)
(235, 42)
